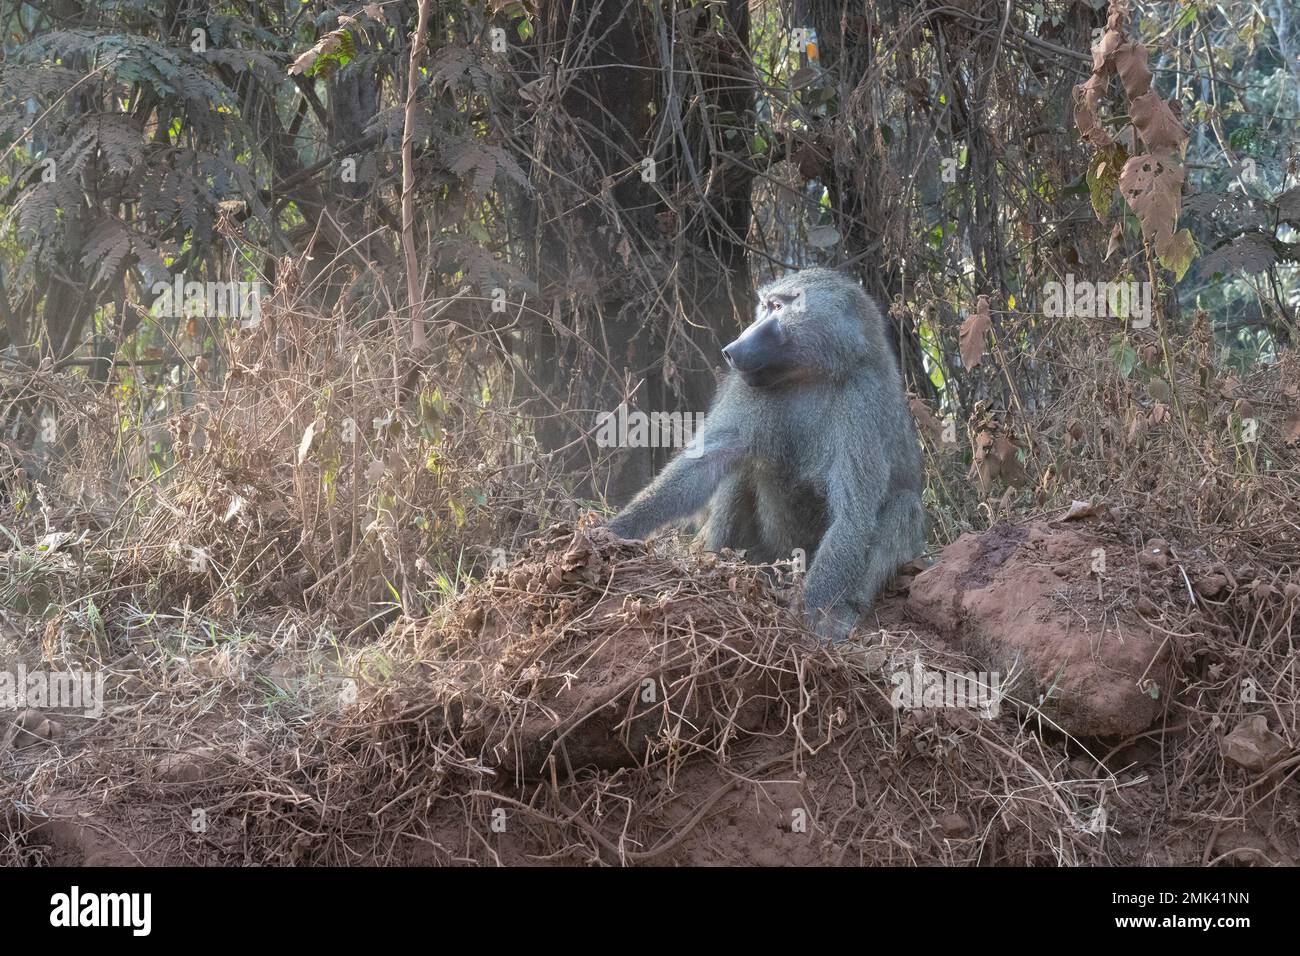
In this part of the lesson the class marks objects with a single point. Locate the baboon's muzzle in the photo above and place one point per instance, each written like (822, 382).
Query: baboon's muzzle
(760, 351)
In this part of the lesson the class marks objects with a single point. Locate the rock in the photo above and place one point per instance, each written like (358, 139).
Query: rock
(186, 766)
(954, 826)
(1020, 599)
(1252, 745)
(31, 727)
(1155, 555)
(1211, 585)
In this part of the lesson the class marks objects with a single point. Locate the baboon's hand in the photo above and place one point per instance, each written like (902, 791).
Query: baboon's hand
(832, 624)
(620, 526)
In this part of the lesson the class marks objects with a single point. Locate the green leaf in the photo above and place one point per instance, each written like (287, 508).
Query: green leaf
(1123, 354)
(335, 49)
(1179, 253)
(1103, 178)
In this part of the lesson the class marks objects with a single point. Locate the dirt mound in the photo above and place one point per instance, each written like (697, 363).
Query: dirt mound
(577, 653)
(601, 701)
(1038, 604)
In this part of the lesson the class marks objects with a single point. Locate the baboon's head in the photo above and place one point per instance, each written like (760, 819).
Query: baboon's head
(812, 325)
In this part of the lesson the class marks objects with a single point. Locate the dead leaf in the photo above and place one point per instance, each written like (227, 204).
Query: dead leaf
(1087, 97)
(1152, 186)
(1116, 240)
(1083, 509)
(1009, 461)
(340, 40)
(1157, 124)
(1131, 65)
(929, 424)
(236, 505)
(985, 465)
(974, 333)
(1291, 428)
(51, 542)
(1252, 745)
(304, 446)
(924, 417)
(1137, 424)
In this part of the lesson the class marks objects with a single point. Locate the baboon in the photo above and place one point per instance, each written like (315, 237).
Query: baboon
(809, 445)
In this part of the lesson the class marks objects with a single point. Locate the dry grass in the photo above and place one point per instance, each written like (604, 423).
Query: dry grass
(240, 566)
(597, 703)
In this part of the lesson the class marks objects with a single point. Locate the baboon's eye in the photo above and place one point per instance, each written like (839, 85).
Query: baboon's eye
(774, 305)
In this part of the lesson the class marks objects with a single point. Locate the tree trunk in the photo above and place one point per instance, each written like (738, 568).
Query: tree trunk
(638, 225)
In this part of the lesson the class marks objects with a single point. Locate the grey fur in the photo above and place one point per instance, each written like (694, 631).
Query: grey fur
(812, 446)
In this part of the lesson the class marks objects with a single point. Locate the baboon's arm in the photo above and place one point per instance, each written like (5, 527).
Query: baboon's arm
(681, 489)
(853, 496)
